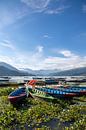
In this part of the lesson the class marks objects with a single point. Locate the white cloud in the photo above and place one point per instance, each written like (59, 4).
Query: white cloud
(84, 8)
(37, 4)
(58, 10)
(37, 60)
(66, 53)
(40, 48)
(46, 36)
(44, 6)
(9, 15)
(64, 63)
(8, 44)
(24, 59)
(7, 59)
(82, 34)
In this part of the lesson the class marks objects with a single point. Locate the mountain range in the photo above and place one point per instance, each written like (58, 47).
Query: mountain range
(8, 70)
(40, 72)
(72, 72)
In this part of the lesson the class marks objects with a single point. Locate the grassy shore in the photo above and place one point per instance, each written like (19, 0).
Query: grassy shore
(36, 113)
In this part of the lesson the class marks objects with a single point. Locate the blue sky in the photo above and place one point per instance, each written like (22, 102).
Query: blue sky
(43, 34)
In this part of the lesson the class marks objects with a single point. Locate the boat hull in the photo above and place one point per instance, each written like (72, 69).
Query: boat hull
(61, 93)
(69, 95)
(39, 94)
(64, 91)
(16, 98)
(17, 95)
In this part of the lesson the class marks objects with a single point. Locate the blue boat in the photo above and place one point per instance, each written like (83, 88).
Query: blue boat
(57, 93)
(64, 92)
(78, 90)
(60, 91)
(17, 95)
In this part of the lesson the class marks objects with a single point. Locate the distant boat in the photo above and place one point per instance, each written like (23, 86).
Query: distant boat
(17, 95)
(51, 81)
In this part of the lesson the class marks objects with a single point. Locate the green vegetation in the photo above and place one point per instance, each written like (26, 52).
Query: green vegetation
(35, 113)
(5, 91)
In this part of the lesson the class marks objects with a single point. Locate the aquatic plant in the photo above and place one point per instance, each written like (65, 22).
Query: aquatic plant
(6, 91)
(73, 113)
(35, 113)
(78, 125)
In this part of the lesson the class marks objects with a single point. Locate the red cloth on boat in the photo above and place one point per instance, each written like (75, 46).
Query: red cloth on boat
(32, 82)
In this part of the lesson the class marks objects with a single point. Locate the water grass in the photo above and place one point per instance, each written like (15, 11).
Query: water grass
(37, 113)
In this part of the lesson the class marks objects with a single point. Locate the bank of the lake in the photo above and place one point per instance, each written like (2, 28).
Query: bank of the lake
(35, 113)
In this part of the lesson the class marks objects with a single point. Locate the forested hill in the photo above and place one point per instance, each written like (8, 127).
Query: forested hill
(72, 72)
(8, 70)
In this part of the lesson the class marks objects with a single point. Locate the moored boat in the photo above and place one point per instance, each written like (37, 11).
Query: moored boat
(17, 95)
(35, 93)
(78, 90)
(57, 93)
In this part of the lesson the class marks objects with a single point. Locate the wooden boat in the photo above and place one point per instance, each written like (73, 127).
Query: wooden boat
(60, 91)
(57, 93)
(51, 81)
(78, 90)
(17, 95)
(75, 89)
(35, 93)
(78, 87)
